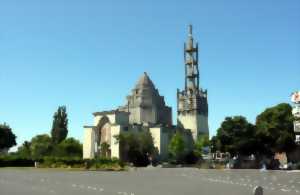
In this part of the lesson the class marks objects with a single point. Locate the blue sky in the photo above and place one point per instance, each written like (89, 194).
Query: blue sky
(89, 54)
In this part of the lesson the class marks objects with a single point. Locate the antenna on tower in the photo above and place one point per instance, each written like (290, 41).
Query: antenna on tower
(190, 30)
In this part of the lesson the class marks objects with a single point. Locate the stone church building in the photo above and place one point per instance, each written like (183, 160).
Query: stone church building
(146, 110)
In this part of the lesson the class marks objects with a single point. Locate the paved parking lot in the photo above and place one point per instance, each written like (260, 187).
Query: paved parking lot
(147, 181)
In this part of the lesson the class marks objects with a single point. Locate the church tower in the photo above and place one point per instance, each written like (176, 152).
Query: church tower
(192, 107)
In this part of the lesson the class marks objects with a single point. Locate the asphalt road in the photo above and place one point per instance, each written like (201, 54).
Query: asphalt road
(147, 181)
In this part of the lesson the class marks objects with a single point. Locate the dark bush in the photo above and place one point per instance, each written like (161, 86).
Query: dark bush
(190, 158)
(138, 147)
(274, 164)
(12, 161)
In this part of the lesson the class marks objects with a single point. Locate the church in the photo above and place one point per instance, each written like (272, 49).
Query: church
(146, 110)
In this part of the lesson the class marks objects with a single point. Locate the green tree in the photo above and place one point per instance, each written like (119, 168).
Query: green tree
(69, 147)
(137, 147)
(7, 137)
(24, 150)
(59, 129)
(104, 149)
(146, 143)
(176, 147)
(41, 146)
(236, 136)
(275, 129)
(215, 144)
(201, 142)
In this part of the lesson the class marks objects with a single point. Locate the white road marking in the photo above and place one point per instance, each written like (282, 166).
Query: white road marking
(285, 190)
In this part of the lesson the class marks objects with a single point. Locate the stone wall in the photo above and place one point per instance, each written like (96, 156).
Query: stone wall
(89, 142)
(161, 139)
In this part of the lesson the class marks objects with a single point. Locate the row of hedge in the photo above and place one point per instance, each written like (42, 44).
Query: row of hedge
(62, 162)
(13, 161)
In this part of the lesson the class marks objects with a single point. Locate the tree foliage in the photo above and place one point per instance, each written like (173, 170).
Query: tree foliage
(24, 150)
(69, 147)
(59, 129)
(215, 144)
(176, 147)
(137, 147)
(275, 129)
(7, 137)
(41, 146)
(273, 132)
(104, 149)
(201, 142)
(236, 136)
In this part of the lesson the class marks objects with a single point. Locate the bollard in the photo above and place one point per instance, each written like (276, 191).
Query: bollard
(258, 190)
(36, 164)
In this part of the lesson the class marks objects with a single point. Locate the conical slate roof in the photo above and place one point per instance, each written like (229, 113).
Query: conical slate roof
(145, 81)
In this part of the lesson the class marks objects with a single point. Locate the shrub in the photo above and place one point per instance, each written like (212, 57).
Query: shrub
(137, 147)
(104, 164)
(15, 161)
(55, 162)
(176, 148)
(69, 147)
(40, 146)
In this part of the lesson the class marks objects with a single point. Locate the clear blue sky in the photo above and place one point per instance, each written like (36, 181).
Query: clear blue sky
(89, 54)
